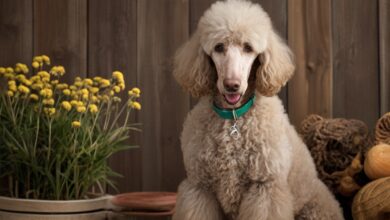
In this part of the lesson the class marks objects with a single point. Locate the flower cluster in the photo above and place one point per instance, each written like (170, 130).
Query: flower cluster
(45, 90)
(57, 137)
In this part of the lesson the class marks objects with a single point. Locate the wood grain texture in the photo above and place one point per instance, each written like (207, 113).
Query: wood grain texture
(15, 40)
(277, 10)
(164, 103)
(16, 22)
(384, 60)
(310, 90)
(60, 31)
(355, 65)
(112, 45)
(197, 8)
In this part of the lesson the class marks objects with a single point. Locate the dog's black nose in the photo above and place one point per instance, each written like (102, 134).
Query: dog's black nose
(231, 85)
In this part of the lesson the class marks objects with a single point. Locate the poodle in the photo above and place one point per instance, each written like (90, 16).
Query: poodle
(243, 158)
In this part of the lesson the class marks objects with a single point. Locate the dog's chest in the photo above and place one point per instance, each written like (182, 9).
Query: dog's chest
(229, 164)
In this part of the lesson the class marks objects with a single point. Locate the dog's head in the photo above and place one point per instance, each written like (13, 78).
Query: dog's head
(233, 51)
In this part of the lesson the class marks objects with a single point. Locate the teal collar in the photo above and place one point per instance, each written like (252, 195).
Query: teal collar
(234, 113)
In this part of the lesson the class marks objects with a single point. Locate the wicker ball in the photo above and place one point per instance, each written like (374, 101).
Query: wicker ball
(382, 129)
(372, 201)
(333, 144)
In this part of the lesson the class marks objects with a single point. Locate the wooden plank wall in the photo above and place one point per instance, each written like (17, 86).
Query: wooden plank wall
(356, 60)
(384, 47)
(309, 36)
(342, 62)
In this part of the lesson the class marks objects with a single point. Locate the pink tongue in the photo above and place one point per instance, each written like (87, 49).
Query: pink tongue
(233, 99)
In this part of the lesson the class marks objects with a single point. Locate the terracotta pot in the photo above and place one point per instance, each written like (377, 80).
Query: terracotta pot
(146, 203)
(87, 209)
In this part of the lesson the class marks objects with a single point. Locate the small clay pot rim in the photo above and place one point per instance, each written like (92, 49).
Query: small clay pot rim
(140, 213)
(144, 201)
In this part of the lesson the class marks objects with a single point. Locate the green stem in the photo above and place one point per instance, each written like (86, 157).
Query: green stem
(49, 147)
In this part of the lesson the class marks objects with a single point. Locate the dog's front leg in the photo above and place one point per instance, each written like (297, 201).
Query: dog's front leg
(194, 203)
(267, 201)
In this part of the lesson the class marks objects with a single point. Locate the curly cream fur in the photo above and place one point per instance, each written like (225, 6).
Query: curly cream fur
(192, 68)
(268, 172)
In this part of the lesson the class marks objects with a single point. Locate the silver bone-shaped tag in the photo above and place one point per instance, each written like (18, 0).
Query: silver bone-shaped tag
(234, 132)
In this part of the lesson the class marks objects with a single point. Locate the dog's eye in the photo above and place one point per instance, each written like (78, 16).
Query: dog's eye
(219, 48)
(248, 48)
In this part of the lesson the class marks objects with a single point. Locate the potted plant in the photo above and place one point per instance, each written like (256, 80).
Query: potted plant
(56, 138)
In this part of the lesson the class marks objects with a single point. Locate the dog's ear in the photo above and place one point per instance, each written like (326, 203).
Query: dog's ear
(276, 66)
(192, 68)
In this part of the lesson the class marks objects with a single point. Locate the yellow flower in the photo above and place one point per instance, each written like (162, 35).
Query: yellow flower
(117, 75)
(2, 70)
(34, 97)
(43, 74)
(61, 70)
(93, 108)
(97, 78)
(10, 93)
(116, 99)
(105, 98)
(27, 82)
(66, 105)
(94, 90)
(54, 82)
(94, 99)
(46, 93)
(122, 86)
(62, 86)
(135, 105)
(9, 70)
(84, 91)
(24, 68)
(111, 93)
(35, 65)
(74, 103)
(20, 67)
(37, 86)
(23, 89)
(45, 79)
(104, 83)
(46, 59)
(11, 82)
(77, 79)
(78, 83)
(88, 82)
(66, 92)
(12, 88)
(17, 68)
(12, 85)
(9, 76)
(38, 59)
(85, 96)
(81, 109)
(117, 89)
(136, 90)
(48, 101)
(72, 87)
(35, 78)
(49, 111)
(76, 124)
(20, 77)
